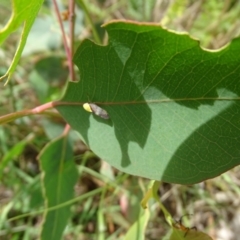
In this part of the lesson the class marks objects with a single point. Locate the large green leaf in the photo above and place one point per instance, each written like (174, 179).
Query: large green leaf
(173, 106)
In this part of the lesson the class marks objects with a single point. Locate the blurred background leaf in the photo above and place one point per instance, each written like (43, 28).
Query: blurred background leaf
(59, 177)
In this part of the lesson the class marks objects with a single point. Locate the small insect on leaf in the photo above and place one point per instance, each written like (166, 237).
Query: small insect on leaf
(91, 107)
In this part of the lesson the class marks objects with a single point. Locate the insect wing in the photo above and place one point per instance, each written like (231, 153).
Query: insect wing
(99, 111)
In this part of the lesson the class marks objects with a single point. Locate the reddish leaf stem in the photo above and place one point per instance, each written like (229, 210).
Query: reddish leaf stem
(13, 116)
(67, 49)
(44, 107)
(66, 130)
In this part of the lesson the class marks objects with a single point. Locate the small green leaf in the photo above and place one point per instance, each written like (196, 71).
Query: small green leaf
(15, 151)
(24, 13)
(59, 178)
(137, 230)
(174, 107)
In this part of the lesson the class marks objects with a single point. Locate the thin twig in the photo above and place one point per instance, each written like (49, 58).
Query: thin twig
(67, 50)
(66, 130)
(37, 110)
(71, 35)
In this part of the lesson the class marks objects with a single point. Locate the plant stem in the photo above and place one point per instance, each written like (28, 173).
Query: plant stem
(64, 204)
(71, 36)
(38, 110)
(67, 49)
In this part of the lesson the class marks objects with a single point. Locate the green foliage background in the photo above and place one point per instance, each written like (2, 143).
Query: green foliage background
(106, 201)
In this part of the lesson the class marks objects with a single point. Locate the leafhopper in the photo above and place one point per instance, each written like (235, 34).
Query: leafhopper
(91, 107)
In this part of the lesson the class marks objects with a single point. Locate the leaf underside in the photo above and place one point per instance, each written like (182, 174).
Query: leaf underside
(173, 106)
